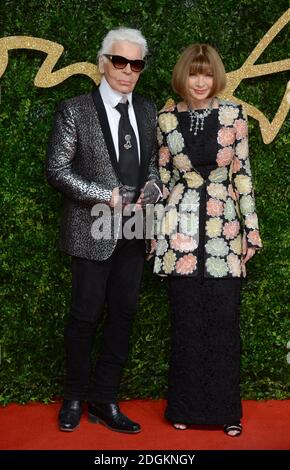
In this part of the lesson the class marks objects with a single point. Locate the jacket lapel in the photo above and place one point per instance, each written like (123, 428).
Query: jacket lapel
(106, 129)
(219, 146)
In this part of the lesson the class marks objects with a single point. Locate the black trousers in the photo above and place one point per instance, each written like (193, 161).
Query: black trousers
(116, 282)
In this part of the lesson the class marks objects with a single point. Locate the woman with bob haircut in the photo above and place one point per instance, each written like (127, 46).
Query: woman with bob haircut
(207, 232)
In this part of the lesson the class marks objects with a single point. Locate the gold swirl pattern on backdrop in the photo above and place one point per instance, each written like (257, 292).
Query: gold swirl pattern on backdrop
(47, 78)
(269, 130)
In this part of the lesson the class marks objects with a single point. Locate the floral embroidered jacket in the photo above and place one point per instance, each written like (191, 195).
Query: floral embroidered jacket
(230, 207)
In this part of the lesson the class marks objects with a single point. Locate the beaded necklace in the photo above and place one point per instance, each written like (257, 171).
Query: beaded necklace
(199, 117)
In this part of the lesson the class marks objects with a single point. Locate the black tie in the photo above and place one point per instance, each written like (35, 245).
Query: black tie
(128, 149)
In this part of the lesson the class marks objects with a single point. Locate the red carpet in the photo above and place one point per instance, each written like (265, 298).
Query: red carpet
(34, 426)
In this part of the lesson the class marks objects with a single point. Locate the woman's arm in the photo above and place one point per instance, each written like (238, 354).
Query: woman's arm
(243, 187)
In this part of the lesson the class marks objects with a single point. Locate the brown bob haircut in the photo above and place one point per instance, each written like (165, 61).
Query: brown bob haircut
(198, 58)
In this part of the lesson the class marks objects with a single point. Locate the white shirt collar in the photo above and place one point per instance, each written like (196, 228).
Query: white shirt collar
(112, 97)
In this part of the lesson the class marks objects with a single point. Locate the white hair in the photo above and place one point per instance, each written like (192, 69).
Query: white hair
(123, 34)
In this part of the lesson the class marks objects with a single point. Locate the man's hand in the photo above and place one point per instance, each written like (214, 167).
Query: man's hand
(127, 194)
(151, 193)
(114, 198)
(123, 195)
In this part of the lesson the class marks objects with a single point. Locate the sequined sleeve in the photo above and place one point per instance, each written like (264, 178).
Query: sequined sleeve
(61, 152)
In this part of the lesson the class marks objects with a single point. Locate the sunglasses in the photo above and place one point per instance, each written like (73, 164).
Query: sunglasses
(120, 62)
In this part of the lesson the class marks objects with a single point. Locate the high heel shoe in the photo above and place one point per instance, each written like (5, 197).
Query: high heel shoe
(235, 428)
(180, 426)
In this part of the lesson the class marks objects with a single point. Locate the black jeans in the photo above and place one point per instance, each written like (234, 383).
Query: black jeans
(115, 281)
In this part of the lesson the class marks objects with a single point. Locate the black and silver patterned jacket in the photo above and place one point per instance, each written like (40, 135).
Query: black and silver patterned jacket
(81, 163)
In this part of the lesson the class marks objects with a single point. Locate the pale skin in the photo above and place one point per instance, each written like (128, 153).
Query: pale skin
(199, 88)
(121, 80)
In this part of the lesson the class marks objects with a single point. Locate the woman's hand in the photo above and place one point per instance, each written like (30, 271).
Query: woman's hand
(151, 253)
(248, 252)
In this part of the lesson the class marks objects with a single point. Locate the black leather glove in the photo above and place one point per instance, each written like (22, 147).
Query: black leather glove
(152, 192)
(127, 193)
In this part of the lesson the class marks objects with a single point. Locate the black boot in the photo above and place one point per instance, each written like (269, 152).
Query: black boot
(110, 415)
(70, 415)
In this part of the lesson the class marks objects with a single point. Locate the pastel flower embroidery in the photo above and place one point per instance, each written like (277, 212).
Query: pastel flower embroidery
(234, 265)
(254, 238)
(164, 156)
(175, 174)
(217, 190)
(225, 156)
(186, 264)
(241, 128)
(216, 267)
(243, 184)
(176, 194)
(242, 149)
(171, 185)
(157, 265)
(231, 229)
(251, 221)
(182, 162)
(226, 136)
(183, 243)
(236, 165)
(167, 122)
(169, 222)
(247, 205)
(193, 179)
(188, 223)
(159, 136)
(175, 177)
(175, 142)
(169, 262)
(229, 210)
(214, 227)
(164, 175)
(161, 248)
(159, 210)
(227, 115)
(214, 207)
(190, 201)
(236, 245)
(247, 167)
(218, 175)
(217, 247)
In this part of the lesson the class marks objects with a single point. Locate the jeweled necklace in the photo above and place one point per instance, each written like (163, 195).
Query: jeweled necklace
(199, 116)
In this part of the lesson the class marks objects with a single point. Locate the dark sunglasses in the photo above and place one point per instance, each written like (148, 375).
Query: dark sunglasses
(120, 62)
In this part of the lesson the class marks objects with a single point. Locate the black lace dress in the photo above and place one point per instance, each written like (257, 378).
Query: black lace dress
(204, 371)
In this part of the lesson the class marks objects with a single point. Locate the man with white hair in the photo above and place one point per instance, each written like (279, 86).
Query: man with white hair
(103, 150)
